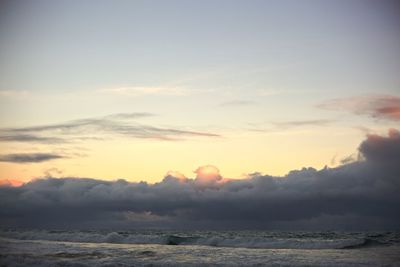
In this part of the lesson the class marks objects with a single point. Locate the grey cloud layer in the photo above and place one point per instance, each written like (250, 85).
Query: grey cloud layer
(359, 195)
(29, 157)
(121, 124)
(9, 136)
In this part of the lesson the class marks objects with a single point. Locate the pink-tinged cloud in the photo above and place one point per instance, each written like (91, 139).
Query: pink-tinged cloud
(376, 106)
(390, 112)
(176, 175)
(207, 175)
(11, 182)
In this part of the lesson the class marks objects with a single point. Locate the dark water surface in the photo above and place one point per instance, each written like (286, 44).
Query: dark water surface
(198, 248)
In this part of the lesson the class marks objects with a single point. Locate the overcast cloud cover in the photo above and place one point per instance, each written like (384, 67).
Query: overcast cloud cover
(359, 195)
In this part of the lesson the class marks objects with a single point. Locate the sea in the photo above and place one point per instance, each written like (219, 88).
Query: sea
(197, 248)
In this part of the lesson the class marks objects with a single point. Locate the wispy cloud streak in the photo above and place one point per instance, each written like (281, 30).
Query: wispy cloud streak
(122, 124)
(287, 124)
(30, 138)
(376, 106)
(29, 157)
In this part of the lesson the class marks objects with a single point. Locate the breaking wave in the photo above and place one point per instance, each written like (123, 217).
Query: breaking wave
(203, 239)
(270, 243)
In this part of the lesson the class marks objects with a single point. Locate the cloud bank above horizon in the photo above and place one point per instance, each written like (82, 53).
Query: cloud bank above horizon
(359, 195)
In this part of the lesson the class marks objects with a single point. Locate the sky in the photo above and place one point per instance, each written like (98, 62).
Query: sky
(137, 90)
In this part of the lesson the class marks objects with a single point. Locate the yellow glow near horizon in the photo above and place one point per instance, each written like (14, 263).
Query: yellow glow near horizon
(150, 160)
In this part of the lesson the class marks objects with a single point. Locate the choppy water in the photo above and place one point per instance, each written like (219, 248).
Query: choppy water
(197, 248)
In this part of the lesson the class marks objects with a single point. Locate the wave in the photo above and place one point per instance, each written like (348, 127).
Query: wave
(238, 241)
(365, 244)
(270, 243)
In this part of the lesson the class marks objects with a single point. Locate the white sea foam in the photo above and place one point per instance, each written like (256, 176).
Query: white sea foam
(21, 253)
(205, 239)
(280, 243)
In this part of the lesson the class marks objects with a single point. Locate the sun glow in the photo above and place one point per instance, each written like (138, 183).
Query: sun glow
(11, 182)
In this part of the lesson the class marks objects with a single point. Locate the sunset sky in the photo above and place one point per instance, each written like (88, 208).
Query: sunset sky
(143, 88)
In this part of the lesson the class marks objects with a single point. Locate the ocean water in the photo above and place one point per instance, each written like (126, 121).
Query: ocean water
(197, 248)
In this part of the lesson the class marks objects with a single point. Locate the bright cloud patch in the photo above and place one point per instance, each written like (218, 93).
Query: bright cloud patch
(207, 175)
(11, 182)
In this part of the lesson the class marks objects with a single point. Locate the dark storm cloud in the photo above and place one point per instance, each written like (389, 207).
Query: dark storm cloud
(121, 124)
(29, 157)
(382, 149)
(376, 106)
(359, 195)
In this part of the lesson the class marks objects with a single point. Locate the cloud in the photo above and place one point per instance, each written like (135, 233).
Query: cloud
(52, 172)
(382, 149)
(285, 125)
(376, 106)
(207, 176)
(122, 124)
(349, 159)
(320, 122)
(11, 182)
(359, 195)
(29, 157)
(135, 115)
(175, 175)
(30, 138)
